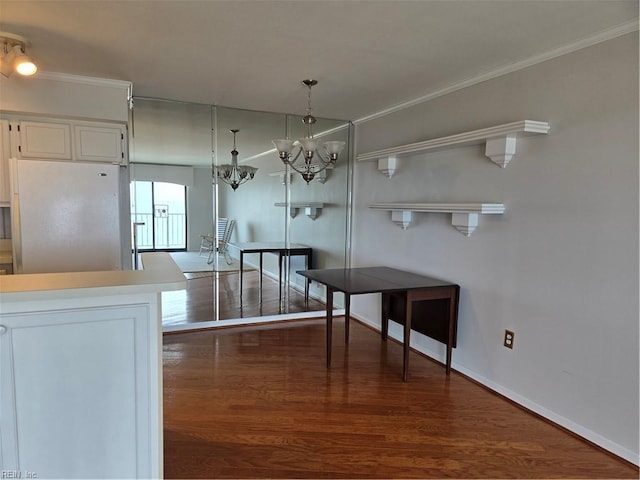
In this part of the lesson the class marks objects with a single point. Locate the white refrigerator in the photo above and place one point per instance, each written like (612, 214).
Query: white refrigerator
(69, 216)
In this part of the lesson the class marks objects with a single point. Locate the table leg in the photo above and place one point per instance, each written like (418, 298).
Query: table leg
(280, 281)
(329, 323)
(347, 317)
(407, 337)
(260, 280)
(384, 321)
(241, 272)
(453, 312)
(306, 280)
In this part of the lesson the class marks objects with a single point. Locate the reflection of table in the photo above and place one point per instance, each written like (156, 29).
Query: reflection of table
(280, 249)
(400, 293)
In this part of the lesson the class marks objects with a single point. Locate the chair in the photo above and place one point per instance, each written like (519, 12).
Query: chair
(207, 243)
(223, 242)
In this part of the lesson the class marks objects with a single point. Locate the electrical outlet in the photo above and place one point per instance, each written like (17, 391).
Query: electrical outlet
(508, 338)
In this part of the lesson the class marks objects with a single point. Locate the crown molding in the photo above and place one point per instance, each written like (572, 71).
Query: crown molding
(95, 81)
(609, 34)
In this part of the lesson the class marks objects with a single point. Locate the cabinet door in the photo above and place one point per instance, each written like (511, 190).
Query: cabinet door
(49, 140)
(75, 393)
(99, 143)
(5, 153)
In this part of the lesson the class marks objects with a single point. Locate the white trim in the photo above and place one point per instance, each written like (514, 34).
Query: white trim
(609, 34)
(570, 425)
(484, 208)
(509, 131)
(185, 327)
(95, 81)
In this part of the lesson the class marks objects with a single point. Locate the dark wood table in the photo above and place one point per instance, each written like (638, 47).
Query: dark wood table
(281, 249)
(401, 293)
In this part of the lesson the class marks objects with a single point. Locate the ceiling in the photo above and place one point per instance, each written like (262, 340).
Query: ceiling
(367, 55)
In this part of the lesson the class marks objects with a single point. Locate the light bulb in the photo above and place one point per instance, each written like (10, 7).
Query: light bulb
(333, 147)
(283, 146)
(309, 144)
(22, 63)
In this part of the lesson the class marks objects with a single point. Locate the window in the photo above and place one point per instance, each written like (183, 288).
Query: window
(162, 208)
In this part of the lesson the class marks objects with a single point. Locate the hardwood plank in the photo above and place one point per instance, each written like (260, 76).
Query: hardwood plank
(201, 303)
(258, 402)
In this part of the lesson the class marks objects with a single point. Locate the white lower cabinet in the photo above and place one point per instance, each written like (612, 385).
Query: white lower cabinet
(80, 393)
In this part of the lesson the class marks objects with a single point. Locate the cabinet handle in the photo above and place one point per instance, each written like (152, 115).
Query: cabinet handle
(3, 329)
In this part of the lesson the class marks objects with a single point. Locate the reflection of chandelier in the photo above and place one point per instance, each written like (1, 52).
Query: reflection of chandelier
(308, 147)
(234, 174)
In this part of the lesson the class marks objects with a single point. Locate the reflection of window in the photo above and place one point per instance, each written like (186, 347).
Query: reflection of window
(162, 208)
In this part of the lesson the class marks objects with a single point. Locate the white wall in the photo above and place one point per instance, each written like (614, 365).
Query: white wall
(66, 95)
(560, 268)
(199, 208)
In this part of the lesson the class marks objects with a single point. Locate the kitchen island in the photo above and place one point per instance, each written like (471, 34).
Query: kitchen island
(81, 371)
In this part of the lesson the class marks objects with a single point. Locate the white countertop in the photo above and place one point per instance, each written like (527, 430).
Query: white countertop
(160, 274)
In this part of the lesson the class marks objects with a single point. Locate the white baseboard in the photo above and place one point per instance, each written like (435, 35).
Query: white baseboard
(579, 430)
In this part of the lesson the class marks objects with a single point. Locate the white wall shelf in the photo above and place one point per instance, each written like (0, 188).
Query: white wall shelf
(311, 210)
(500, 143)
(464, 216)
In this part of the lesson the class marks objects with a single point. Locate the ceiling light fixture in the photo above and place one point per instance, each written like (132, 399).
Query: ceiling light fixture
(327, 156)
(13, 55)
(234, 174)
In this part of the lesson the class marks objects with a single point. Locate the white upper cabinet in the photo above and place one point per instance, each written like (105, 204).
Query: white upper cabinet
(99, 143)
(50, 140)
(69, 140)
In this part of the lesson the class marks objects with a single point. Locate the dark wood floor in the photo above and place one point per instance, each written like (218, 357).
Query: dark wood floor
(201, 302)
(258, 402)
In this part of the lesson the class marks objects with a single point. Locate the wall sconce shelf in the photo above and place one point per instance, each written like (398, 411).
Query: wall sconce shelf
(500, 144)
(464, 216)
(311, 210)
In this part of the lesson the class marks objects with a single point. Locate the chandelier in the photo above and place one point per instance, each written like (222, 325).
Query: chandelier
(13, 55)
(234, 174)
(315, 160)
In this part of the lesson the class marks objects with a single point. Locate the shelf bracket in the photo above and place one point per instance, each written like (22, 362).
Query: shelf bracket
(388, 165)
(321, 176)
(311, 210)
(465, 223)
(501, 150)
(402, 218)
(293, 212)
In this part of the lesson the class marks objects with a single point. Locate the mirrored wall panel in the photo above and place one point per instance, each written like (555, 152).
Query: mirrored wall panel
(209, 186)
